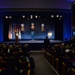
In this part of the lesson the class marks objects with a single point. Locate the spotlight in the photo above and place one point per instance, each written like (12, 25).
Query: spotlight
(6, 17)
(23, 16)
(36, 16)
(10, 17)
(31, 16)
(57, 16)
(52, 16)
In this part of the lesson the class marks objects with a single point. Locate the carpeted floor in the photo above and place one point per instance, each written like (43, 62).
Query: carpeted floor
(41, 65)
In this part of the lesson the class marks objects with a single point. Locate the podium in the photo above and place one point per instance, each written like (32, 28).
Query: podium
(16, 39)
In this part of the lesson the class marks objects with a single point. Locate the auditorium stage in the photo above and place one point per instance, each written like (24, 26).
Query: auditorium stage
(34, 41)
(35, 44)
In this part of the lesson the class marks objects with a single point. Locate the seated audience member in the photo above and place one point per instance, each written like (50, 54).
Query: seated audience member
(16, 51)
(10, 50)
(26, 50)
(4, 50)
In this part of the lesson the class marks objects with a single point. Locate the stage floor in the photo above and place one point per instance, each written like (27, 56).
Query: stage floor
(35, 44)
(35, 41)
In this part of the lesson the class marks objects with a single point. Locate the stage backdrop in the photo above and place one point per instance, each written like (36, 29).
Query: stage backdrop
(35, 25)
(29, 26)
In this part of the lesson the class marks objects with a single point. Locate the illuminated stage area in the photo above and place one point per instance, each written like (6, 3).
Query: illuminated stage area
(35, 41)
(34, 25)
(35, 44)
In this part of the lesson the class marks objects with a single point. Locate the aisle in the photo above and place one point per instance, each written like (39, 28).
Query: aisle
(41, 65)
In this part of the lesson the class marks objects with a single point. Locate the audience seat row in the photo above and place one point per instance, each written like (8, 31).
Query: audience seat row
(62, 58)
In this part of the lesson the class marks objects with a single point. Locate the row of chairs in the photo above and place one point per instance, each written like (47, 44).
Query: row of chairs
(12, 66)
(61, 61)
(15, 61)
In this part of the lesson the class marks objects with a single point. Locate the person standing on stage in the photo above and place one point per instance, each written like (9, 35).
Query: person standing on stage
(46, 42)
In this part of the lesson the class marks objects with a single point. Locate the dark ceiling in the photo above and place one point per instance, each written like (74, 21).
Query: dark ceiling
(54, 4)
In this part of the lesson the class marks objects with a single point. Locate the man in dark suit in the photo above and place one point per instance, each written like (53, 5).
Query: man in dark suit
(46, 42)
